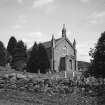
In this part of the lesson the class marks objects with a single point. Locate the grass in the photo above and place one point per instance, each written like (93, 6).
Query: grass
(17, 97)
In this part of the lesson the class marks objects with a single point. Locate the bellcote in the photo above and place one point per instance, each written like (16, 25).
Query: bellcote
(64, 31)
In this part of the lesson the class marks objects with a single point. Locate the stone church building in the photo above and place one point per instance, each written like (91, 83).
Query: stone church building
(62, 53)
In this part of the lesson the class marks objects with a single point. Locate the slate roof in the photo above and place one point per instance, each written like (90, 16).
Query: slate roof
(48, 43)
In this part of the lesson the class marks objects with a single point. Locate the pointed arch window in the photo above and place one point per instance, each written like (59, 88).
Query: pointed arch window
(71, 66)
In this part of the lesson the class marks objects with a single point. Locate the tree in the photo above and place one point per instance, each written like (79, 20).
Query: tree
(11, 45)
(10, 48)
(33, 61)
(44, 63)
(38, 60)
(19, 56)
(2, 54)
(97, 68)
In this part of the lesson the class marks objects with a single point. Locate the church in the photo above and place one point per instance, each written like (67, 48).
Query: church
(62, 53)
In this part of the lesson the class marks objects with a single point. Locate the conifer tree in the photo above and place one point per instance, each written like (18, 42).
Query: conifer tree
(44, 63)
(2, 54)
(11, 45)
(97, 68)
(19, 55)
(33, 61)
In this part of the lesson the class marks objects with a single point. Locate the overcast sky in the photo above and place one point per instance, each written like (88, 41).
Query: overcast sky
(37, 20)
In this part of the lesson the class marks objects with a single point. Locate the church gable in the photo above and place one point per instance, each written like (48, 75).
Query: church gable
(64, 50)
(65, 43)
(63, 47)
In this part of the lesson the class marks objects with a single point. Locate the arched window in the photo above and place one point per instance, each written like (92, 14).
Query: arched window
(71, 64)
(62, 65)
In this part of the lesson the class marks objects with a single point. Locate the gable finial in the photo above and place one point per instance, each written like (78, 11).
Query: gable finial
(64, 31)
(52, 36)
(53, 41)
(74, 44)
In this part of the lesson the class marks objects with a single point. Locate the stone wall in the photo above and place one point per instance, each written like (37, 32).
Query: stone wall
(64, 49)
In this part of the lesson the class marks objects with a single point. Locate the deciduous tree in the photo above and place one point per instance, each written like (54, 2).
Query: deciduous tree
(98, 58)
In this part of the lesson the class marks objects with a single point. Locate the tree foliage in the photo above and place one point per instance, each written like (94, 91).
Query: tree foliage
(11, 45)
(19, 55)
(97, 68)
(2, 54)
(33, 61)
(38, 60)
(44, 63)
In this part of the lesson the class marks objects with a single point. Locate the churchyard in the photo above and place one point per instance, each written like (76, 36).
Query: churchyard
(18, 88)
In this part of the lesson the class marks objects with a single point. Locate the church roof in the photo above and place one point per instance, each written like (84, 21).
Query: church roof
(48, 43)
(70, 43)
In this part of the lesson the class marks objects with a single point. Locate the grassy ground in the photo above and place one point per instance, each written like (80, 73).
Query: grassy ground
(16, 97)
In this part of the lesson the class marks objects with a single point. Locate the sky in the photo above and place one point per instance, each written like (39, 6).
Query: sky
(38, 20)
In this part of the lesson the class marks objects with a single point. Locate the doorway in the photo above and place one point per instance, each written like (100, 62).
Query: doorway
(62, 64)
